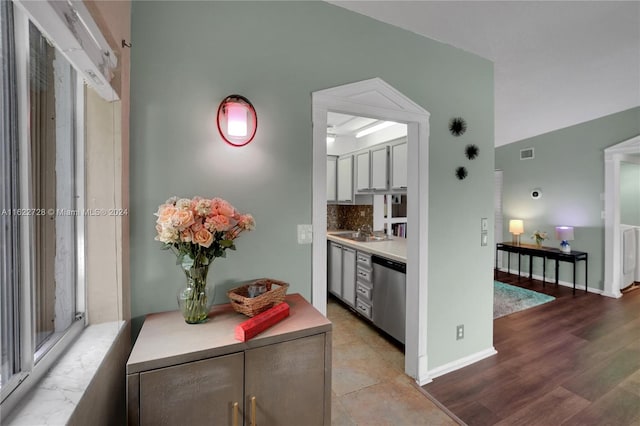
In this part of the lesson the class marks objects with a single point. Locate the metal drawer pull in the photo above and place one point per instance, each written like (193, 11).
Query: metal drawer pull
(235, 414)
(253, 411)
(361, 290)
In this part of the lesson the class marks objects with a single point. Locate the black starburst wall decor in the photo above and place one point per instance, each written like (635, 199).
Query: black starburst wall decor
(471, 151)
(461, 173)
(457, 126)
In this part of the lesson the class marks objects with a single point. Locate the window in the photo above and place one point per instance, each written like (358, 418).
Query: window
(41, 211)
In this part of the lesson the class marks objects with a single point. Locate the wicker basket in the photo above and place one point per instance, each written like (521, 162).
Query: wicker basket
(251, 306)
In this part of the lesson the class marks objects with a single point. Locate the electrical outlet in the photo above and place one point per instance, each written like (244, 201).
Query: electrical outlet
(362, 213)
(305, 234)
(460, 332)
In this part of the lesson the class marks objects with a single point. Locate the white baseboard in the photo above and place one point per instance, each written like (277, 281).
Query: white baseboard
(553, 281)
(459, 363)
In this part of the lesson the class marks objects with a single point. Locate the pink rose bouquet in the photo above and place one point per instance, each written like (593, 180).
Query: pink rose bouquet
(198, 230)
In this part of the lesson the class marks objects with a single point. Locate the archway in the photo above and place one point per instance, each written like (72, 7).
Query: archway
(377, 99)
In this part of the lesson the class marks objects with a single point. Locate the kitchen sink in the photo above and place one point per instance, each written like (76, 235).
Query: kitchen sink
(355, 236)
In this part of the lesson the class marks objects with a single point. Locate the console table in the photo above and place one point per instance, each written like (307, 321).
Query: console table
(532, 251)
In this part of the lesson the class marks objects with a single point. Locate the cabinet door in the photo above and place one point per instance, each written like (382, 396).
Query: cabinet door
(332, 171)
(196, 393)
(287, 381)
(345, 179)
(362, 171)
(334, 272)
(349, 275)
(379, 168)
(399, 166)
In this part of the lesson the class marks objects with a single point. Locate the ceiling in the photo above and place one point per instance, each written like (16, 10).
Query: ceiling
(344, 124)
(556, 63)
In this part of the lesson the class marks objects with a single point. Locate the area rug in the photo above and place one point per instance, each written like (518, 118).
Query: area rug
(508, 299)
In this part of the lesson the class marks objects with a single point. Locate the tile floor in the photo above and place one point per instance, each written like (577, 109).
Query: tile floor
(369, 386)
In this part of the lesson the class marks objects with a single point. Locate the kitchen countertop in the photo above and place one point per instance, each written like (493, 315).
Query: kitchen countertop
(394, 249)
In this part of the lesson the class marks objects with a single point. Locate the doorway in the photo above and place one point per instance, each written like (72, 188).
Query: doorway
(613, 156)
(376, 99)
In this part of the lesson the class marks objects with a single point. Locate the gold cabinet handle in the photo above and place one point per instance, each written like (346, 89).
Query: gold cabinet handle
(235, 414)
(253, 411)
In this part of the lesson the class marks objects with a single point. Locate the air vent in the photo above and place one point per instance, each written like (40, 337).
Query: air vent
(526, 154)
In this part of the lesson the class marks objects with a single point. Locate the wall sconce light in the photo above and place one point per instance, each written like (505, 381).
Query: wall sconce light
(564, 234)
(516, 227)
(237, 120)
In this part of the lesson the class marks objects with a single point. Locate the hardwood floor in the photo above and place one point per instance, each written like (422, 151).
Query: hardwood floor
(572, 361)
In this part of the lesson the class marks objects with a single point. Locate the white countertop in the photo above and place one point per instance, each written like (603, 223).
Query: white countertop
(394, 249)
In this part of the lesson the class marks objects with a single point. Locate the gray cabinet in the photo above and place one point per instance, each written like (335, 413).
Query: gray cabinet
(281, 383)
(176, 395)
(334, 269)
(349, 275)
(201, 375)
(341, 272)
(362, 171)
(379, 168)
(345, 179)
(332, 177)
(399, 166)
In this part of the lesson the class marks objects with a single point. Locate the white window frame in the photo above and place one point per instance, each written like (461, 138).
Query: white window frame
(35, 366)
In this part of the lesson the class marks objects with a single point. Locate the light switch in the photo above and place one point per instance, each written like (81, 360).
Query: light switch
(483, 239)
(484, 224)
(305, 234)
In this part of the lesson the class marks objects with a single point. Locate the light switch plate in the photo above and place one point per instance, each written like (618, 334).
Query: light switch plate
(305, 234)
(484, 224)
(483, 239)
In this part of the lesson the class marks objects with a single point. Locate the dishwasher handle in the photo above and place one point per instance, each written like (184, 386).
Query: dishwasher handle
(391, 264)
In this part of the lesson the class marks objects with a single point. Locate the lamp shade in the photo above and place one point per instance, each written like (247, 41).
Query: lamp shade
(564, 233)
(516, 226)
(237, 120)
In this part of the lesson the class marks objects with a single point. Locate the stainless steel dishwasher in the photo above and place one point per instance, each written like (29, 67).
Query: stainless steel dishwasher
(389, 296)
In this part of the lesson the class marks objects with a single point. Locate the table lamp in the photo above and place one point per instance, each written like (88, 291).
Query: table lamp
(516, 227)
(564, 234)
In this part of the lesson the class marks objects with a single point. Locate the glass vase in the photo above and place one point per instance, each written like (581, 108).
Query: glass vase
(196, 297)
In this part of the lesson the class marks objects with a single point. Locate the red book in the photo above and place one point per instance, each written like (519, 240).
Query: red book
(253, 326)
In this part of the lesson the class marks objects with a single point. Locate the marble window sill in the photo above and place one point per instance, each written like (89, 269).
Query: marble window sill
(53, 400)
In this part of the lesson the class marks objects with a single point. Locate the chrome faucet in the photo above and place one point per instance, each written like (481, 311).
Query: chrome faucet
(365, 230)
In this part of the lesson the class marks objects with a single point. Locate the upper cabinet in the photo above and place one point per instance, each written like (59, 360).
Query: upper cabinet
(379, 168)
(359, 174)
(363, 173)
(332, 176)
(345, 179)
(399, 166)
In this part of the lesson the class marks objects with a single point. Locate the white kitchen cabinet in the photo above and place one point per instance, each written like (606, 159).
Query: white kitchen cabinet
(332, 176)
(399, 166)
(379, 168)
(349, 275)
(334, 269)
(362, 171)
(345, 179)
(341, 272)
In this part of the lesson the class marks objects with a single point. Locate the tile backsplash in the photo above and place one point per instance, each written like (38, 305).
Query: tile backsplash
(350, 217)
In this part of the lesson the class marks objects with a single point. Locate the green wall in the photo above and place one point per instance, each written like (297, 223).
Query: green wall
(569, 168)
(630, 193)
(189, 55)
